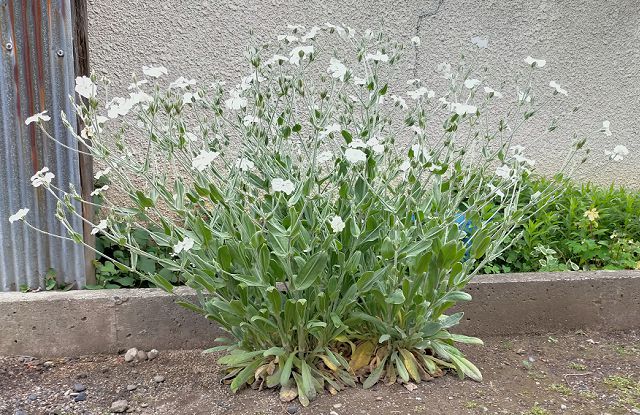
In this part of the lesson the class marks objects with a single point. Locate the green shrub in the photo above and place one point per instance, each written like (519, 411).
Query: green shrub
(327, 231)
(584, 227)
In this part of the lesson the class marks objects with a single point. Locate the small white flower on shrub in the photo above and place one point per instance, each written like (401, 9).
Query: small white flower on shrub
(354, 155)
(19, 215)
(337, 225)
(101, 226)
(42, 177)
(539, 63)
(281, 185)
(203, 160)
(557, 87)
(85, 87)
(41, 116)
(618, 153)
(184, 245)
(154, 71)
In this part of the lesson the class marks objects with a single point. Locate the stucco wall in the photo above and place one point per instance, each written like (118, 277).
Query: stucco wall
(592, 48)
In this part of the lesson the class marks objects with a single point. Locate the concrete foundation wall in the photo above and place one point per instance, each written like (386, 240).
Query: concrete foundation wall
(592, 48)
(84, 322)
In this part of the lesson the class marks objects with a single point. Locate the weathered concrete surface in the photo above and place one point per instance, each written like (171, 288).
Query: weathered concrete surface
(592, 48)
(545, 302)
(82, 322)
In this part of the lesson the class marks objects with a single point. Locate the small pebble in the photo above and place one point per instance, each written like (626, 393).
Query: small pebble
(152, 354)
(144, 405)
(292, 409)
(119, 406)
(378, 398)
(131, 354)
(82, 396)
(48, 363)
(141, 355)
(20, 412)
(79, 387)
(32, 397)
(132, 387)
(158, 378)
(337, 406)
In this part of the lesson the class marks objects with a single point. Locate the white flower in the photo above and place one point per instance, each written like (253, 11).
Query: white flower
(480, 42)
(524, 96)
(504, 172)
(250, 119)
(119, 107)
(101, 173)
(297, 51)
(182, 83)
(19, 215)
(359, 81)
(357, 143)
(102, 225)
(247, 81)
(495, 190)
(190, 97)
(375, 145)
(492, 92)
(311, 34)
(416, 129)
(236, 102)
(154, 71)
(535, 62)
(41, 116)
(244, 164)
(523, 160)
(377, 57)
(288, 38)
(618, 152)
(203, 160)
(183, 246)
(605, 128)
(85, 87)
(280, 185)
(445, 69)
(420, 92)
(406, 165)
(337, 224)
(556, 86)
(415, 41)
(353, 155)
(324, 157)
(462, 109)
(100, 190)
(276, 59)
(399, 101)
(337, 69)
(139, 97)
(191, 137)
(138, 84)
(472, 83)
(536, 196)
(42, 177)
(368, 34)
(333, 128)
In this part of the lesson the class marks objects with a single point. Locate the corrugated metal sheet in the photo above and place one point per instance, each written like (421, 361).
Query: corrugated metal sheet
(36, 74)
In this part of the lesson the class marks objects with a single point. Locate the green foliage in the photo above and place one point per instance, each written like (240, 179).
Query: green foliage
(585, 227)
(116, 272)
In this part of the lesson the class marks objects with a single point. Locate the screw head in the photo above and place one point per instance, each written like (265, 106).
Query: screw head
(9, 46)
(60, 53)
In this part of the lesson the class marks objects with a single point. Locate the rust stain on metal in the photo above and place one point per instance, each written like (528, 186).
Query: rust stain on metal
(34, 77)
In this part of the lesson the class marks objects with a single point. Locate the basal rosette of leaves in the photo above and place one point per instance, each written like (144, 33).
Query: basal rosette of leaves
(327, 219)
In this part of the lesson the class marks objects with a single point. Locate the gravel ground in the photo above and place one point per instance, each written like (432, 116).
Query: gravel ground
(579, 373)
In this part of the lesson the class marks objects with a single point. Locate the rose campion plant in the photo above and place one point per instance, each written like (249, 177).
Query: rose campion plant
(327, 219)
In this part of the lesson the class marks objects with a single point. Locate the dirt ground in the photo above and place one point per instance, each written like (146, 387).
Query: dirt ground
(579, 373)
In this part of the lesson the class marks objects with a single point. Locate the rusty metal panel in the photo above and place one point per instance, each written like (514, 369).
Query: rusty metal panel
(36, 74)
